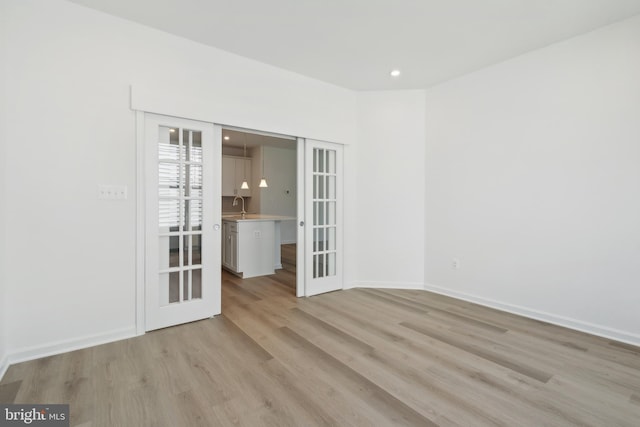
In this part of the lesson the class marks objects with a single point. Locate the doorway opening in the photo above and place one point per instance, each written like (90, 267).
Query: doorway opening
(181, 201)
(259, 215)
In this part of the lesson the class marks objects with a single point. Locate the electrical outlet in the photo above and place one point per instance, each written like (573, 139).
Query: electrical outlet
(455, 263)
(257, 234)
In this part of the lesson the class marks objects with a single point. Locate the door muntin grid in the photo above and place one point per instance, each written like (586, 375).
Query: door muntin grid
(180, 191)
(324, 212)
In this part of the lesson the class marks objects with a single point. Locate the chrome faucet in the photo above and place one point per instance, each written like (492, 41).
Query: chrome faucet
(235, 203)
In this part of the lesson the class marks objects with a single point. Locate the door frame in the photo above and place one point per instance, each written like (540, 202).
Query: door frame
(300, 206)
(141, 222)
(141, 195)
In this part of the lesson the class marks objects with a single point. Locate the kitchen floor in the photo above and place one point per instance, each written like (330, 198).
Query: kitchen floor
(284, 278)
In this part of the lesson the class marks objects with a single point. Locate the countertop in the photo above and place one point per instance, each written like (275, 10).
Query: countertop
(256, 217)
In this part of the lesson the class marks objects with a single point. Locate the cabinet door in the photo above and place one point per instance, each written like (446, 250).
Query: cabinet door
(225, 244)
(229, 176)
(243, 170)
(233, 251)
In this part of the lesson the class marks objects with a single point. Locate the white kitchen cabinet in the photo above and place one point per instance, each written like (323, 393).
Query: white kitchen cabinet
(228, 176)
(233, 173)
(248, 247)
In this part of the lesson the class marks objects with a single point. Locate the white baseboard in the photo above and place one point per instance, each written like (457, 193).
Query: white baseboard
(388, 285)
(578, 325)
(4, 365)
(49, 349)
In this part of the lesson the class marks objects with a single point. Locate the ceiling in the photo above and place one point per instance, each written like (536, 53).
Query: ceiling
(356, 43)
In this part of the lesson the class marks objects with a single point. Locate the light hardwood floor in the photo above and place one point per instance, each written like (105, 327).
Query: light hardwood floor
(355, 357)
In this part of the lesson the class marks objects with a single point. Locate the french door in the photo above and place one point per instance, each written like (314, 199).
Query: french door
(182, 242)
(323, 223)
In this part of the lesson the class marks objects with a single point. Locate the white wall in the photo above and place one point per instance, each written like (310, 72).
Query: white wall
(3, 240)
(533, 182)
(280, 173)
(72, 260)
(531, 171)
(390, 183)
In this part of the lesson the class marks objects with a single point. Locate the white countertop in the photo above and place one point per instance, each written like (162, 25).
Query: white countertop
(256, 217)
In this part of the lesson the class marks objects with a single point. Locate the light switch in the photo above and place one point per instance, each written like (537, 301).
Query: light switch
(112, 192)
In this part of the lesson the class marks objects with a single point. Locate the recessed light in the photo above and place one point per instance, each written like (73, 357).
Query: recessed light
(226, 138)
(172, 130)
(395, 73)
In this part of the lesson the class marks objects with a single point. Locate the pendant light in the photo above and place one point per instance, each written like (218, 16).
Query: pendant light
(263, 182)
(245, 184)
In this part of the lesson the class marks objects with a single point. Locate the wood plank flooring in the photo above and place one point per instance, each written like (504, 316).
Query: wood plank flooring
(360, 357)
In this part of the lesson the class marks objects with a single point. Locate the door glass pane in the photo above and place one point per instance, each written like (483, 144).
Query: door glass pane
(320, 239)
(315, 213)
(318, 266)
(185, 285)
(315, 240)
(186, 141)
(320, 160)
(315, 160)
(169, 214)
(195, 180)
(196, 249)
(168, 252)
(182, 146)
(315, 266)
(169, 286)
(168, 146)
(320, 187)
(331, 187)
(185, 250)
(169, 180)
(315, 186)
(174, 291)
(331, 161)
(196, 147)
(319, 213)
(193, 212)
(196, 283)
(331, 213)
(331, 264)
(192, 219)
(331, 238)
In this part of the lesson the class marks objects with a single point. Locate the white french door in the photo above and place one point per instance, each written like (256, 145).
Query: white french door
(323, 224)
(182, 241)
